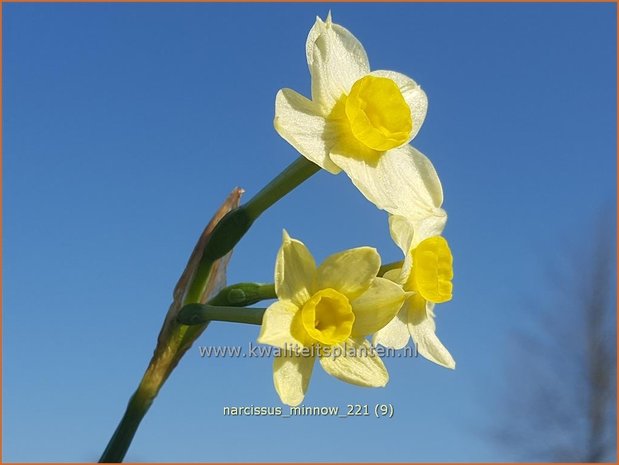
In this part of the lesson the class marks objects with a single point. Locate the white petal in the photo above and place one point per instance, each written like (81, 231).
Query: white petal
(413, 95)
(276, 325)
(401, 232)
(408, 234)
(428, 227)
(363, 369)
(336, 60)
(317, 29)
(402, 181)
(376, 307)
(299, 122)
(350, 272)
(295, 270)
(395, 335)
(423, 331)
(291, 376)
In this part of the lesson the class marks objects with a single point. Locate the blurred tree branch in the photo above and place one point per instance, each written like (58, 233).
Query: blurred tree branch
(560, 396)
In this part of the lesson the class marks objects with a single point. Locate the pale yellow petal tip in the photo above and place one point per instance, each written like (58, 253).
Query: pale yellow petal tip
(292, 402)
(263, 337)
(372, 381)
(376, 340)
(279, 97)
(329, 20)
(372, 251)
(450, 364)
(319, 24)
(285, 397)
(285, 236)
(287, 239)
(384, 383)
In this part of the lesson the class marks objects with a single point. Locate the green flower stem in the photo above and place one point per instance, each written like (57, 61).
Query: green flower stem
(157, 372)
(176, 338)
(237, 222)
(116, 449)
(227, 305)
(197, 314)
(297, 172)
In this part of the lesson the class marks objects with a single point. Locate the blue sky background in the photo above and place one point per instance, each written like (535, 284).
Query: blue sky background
(125, 127)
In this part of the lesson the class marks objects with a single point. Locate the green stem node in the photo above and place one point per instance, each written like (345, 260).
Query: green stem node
(243, 294)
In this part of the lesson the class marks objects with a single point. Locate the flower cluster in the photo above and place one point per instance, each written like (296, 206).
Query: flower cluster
(342, 311)
(360, 122)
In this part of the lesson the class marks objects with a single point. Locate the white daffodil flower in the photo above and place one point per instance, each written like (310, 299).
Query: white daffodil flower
(361, 122)
(325, 312)
(426, 276)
